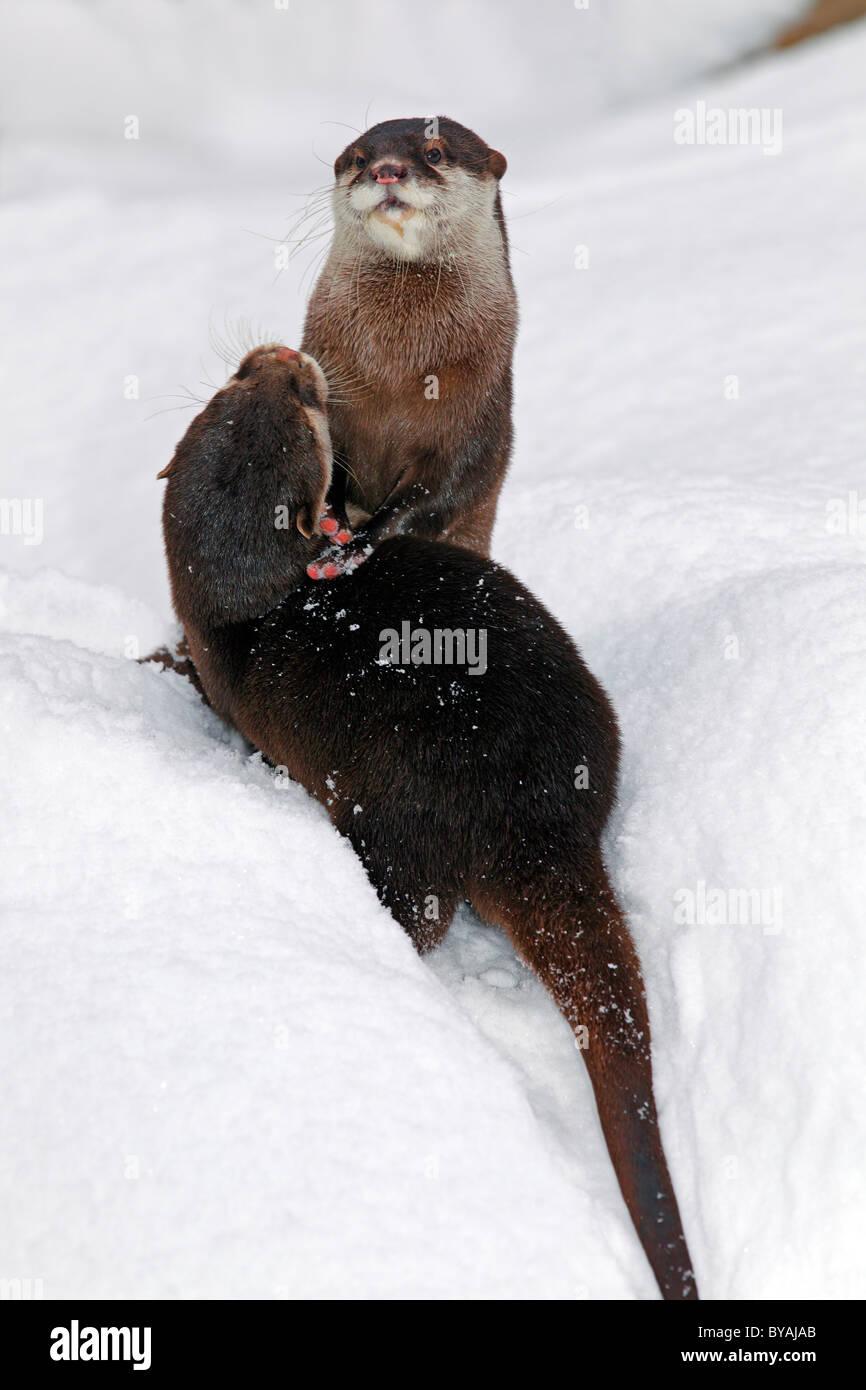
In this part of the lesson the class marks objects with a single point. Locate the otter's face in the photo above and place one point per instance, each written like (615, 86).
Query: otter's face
(413, 186)
(269, 417)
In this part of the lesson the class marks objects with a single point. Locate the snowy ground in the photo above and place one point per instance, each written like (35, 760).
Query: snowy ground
(220, 1079)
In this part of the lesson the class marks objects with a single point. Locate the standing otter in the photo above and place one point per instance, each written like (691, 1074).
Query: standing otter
(414, 314)
(414, 318)
(452, 781)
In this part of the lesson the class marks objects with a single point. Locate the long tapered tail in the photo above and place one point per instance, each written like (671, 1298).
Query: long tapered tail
(573, 933)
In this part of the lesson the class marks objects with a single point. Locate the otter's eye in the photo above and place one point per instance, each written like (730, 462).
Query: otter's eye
(360, 161)
(433, 156)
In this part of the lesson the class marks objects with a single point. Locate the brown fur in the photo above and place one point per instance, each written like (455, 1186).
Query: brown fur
(381, 328)
(450, 785)
(385, 327)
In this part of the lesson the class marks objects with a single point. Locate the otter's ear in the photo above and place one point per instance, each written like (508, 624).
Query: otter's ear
(169, 467)
(497, 163)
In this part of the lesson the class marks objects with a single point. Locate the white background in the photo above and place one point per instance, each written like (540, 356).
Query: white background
(226, 1072)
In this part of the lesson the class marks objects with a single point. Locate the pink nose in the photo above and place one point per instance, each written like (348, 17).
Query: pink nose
(286, 354)
(390, 173)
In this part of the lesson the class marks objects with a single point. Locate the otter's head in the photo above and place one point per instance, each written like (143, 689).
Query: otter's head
(249, 475)
(415, 187)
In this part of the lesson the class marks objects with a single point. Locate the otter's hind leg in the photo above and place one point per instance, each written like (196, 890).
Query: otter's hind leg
(572, 932)
(421, 896)
(425, 915)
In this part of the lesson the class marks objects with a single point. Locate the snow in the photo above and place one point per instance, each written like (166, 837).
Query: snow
(227, 1073)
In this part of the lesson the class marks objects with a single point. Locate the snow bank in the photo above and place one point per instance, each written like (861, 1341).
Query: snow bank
(228, 1072)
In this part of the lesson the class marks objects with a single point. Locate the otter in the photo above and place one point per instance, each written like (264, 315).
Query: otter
(413, 318)
(453, 781)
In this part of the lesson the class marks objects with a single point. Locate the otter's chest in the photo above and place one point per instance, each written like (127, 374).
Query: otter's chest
(379, 436)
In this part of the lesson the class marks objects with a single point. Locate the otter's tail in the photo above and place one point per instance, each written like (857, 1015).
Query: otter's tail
(571, 930)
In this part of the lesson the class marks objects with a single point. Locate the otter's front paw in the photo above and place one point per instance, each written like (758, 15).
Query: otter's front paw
(337, 561)
(334, 526)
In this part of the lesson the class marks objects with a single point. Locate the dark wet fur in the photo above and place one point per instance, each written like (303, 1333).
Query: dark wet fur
(449, 785)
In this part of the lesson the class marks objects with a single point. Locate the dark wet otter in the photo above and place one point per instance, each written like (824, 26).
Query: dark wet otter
(453, 779)
(413, 318)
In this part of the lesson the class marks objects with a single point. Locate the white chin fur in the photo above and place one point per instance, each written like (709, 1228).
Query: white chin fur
(463, 206)
(407, 235)
(404, 232)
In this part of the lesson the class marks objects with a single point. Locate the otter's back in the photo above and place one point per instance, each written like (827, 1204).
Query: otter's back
(506, 731)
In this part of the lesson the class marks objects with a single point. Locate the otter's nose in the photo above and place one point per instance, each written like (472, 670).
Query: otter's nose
(286, 354)
(389, 173)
